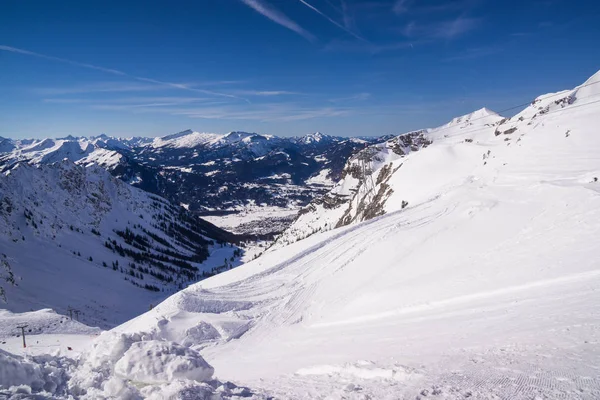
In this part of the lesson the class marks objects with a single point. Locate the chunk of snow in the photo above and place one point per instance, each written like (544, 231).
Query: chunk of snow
(157, 361)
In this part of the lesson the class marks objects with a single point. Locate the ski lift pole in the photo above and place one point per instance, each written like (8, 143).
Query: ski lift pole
(22, 328)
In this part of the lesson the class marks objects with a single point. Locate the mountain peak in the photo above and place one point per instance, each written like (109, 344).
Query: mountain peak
(177, 135)
(311, 138)
(481, 113)
(69, 137)
(237, 136)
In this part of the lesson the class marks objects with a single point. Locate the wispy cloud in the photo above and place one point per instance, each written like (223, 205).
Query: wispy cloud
(131, 101)
(278, 17)
(357, 97)
(334, 22)
(115, 72)
(474, 53)
(264, 113)
(372, 48)
(146, 107)
(401, 6)
(264, 93)
(222, 111)
(62, 60)
(443, 29)
(100, 87)
(412, 7)
(348, 20)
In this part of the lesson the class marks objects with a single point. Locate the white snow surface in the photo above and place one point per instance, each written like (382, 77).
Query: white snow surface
(485, 286)
(186, 139)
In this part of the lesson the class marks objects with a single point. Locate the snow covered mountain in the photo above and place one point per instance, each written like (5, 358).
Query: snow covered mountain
(79, 237)
(205, 171)
(374, 181)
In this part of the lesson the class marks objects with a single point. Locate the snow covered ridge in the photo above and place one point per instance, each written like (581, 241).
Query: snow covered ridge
(78, 237)
(205, 171)
(381, 178)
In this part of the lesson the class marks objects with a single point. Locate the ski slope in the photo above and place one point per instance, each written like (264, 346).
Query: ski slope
(485, 286)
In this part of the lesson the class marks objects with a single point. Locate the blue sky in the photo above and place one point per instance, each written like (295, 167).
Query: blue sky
(283, 67)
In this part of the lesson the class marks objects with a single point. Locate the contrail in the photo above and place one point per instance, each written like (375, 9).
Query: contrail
(279, 18)
(116, 72)
(332, 20)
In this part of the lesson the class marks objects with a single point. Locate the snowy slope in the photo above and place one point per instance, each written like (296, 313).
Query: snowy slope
(77, 237)
(484, 286)
(369, 185)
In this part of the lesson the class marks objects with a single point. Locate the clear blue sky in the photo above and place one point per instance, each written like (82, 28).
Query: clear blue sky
(284, 67)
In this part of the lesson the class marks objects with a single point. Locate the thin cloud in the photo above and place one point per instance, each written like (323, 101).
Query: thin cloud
(356, 97)
(265, 114)
(457, 5)
(348, 20)
(75, 63)
(334, 22)
(143, 107)
(279, 18)
(362, 47)
(401, 6)
(116, 72)
(264, 93)
(101, 87)
(457, 27)
(226, 111)
(474, 53)
(441, 30)
(129, 101)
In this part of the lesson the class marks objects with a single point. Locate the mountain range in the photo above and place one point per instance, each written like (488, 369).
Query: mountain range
(204, 171)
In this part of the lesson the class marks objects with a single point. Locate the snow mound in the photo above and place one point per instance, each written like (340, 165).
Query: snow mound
(22, 376)
(137, 366)
(157, 361)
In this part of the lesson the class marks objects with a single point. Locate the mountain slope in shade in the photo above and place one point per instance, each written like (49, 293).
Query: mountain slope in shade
(78, 237)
